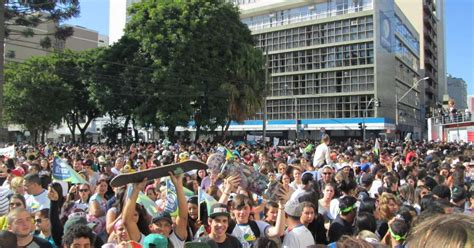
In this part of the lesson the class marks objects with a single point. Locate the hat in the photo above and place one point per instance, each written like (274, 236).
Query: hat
(365, 167)
(218, 209)
(88, 162)
(155, 240)
(294, 208)
(101, 159)
(18, 172)
(162, 216)
(347, 204)
(458, 193)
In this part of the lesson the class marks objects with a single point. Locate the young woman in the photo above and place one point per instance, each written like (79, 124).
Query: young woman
(386, 210)
(324, 203)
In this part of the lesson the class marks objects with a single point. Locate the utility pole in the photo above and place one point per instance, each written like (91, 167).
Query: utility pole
(397, 100)
(265, 98)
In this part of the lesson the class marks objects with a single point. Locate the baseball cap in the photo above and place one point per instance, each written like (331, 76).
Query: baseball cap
(162, 216)
(313, 173)
(77, 219)
(294, 208)
(155, 240)
(365, 167)
(218, 209)
(18, 172)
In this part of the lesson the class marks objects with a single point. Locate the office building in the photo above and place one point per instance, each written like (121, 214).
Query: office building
(329, 60)
(457, 90)
(428, 18)
(118, 18)
(470, 103)
(19, 48)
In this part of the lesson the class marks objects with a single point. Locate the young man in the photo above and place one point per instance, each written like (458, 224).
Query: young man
(162, 223)
(322, 153)
(38, 197)
(78, 236)
(219, 222)
(20, 223)
(297, 235)
(342, 225)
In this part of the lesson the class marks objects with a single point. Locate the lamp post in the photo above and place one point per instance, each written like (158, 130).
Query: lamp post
(373, 100)
(265, 98)
(397, 100)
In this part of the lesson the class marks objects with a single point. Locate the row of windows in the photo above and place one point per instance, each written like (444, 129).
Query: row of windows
(317, 108)
(311, 12)
(409, 37)
(326, 33)
(321, 83)
(406, 55)
(321, 58)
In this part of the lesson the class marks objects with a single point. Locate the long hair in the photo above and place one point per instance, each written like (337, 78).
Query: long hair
(383, 209)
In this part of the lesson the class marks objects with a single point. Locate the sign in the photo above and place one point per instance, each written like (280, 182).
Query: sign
(8, 152)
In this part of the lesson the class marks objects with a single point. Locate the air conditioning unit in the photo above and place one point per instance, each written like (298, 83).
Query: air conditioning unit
(354, 22)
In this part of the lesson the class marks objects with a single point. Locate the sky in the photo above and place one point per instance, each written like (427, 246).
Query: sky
(459, 28)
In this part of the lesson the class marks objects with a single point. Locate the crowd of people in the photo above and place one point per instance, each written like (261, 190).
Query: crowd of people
(328, 194)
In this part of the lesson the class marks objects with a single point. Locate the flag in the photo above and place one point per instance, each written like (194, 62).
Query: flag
(148, 204)
(228, 154)
(308, 148)
(8, 152)
(187, 192)
(171, 199)
(204, 197)
(377, 147)
(63, 172)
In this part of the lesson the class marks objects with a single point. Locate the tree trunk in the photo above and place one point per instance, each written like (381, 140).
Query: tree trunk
(125, 128)
(226, 130)
(84, 128)
(170, 133)
(42, 135)
(198, 132)
(35, 137)
(71, 127)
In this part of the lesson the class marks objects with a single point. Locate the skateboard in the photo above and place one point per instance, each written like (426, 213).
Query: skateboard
(154, 173)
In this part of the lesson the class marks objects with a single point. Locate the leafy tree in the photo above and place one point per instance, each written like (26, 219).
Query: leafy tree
(196, 48)
(122, 72)
(74, 70)
(22, 16)
(35, 96)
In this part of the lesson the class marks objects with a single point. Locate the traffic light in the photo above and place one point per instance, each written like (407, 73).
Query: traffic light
(360, 125)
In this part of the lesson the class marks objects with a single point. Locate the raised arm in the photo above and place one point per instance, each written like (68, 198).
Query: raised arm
(230, 184)
(182, 219)
(129, 209)
(279, 228)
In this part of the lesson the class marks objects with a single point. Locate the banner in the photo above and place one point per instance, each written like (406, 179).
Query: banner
(8, 152)
(63, 172)
(276, 141)
(171, 199)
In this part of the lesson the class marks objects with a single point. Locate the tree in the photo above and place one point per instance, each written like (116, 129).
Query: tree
(35, 96)
(21, 17)
(122, 72)
(196, 47)
(74, 69)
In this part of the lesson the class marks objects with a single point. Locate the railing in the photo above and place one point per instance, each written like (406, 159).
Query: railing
(307, 17)
(450, 119)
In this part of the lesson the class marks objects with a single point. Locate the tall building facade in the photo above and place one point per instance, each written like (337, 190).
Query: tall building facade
(19, 48)
(457, 90)
(330, 59)
(428, 18)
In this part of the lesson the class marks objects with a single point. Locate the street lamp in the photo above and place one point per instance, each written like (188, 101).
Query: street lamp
(376, 102)
(397, 100)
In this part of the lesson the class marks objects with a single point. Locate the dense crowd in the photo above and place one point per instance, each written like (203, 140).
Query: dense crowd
(319, 194)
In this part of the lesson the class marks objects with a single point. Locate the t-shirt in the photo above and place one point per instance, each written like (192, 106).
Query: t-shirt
(37, 202)
(176, 241)
(230, 242)
(37, 243)
(100, 200)
(338, 228)
(298, 237)
(245, 235)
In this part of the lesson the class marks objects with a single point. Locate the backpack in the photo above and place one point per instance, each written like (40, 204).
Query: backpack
(253, 226)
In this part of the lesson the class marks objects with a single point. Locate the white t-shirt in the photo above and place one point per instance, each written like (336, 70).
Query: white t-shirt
(37, 202)
(321, 155)
(298, 237)
(176, 241)
(245, 234)
(374, 189)
(334, 209)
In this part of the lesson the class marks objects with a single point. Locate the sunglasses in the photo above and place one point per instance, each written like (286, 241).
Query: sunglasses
(38, 221)
(16, 204)
(83, 190)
